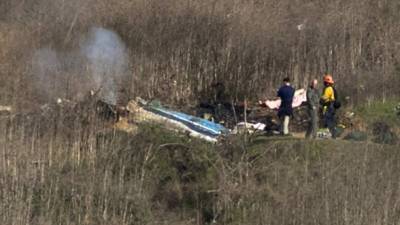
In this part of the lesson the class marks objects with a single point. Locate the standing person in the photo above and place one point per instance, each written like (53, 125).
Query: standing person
(328, 98)
(286, 94)
(313, 96)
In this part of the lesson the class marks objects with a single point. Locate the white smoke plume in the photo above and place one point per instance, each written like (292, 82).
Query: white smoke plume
(107, 58)
(99, 63)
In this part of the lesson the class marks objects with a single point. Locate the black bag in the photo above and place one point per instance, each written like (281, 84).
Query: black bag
(336, 104)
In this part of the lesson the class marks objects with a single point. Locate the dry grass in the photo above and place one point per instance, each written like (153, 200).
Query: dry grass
(93, 174)
(182, 47)
(72, 168)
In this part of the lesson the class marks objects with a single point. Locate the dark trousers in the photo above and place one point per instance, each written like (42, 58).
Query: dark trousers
(313, 123)
(330, 120)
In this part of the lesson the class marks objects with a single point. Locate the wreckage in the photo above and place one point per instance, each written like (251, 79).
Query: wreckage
(93, 109)
(142, 111)
(97, 115)
(255, 118)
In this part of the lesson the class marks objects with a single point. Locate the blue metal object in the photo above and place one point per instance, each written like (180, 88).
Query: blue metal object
(195, 123)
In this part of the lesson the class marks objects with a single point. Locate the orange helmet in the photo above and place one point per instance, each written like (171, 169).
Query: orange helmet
(328, 79)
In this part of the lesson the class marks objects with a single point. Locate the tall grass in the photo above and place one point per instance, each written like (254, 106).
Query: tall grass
(61, 167)
(75, 172)
(183, 47)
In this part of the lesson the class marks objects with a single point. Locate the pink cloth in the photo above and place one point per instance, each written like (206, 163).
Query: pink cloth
(300, 96)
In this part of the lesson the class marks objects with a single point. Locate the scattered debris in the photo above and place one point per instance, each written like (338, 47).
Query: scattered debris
(324, 134)
(349, 115)
(248, 127)
(227, 114)
(5, 109)
(107, 111)
(257, 118)
(301, 26)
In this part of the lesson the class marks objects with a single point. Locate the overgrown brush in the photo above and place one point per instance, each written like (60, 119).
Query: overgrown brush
(104, 176)
(178, 49)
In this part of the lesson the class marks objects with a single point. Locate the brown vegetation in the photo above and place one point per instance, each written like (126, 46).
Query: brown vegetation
(72, 167)
(182, 47)
(79, 171)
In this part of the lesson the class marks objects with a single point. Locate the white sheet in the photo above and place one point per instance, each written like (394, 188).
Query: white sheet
(300, 96)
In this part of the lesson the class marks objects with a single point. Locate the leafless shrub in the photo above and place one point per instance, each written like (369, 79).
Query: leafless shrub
(186, 47)
(73, 168)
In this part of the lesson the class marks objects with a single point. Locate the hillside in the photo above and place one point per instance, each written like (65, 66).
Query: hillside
(158, 177)
(176, 50)
(72, 152)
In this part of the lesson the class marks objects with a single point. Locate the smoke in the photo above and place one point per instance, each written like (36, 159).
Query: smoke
(107, 58)
(99, 63)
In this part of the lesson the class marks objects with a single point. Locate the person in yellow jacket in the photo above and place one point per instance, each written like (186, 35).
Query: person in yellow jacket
(328, 99)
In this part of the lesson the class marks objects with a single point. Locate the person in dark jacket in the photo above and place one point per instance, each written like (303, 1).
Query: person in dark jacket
(313, 96)
(286, 94)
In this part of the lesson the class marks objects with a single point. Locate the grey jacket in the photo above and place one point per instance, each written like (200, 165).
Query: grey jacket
(313, 96)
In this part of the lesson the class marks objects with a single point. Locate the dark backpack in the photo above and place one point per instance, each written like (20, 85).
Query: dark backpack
(336, 104)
